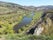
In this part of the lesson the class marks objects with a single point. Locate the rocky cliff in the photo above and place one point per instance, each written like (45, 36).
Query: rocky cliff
(44, 25)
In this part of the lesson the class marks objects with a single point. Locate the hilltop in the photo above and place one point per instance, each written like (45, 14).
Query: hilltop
(6, 8)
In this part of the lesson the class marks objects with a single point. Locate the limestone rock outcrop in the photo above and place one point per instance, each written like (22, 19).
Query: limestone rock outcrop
(44, 25)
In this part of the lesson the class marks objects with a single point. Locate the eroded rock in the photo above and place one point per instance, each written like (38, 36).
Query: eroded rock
(43, 25)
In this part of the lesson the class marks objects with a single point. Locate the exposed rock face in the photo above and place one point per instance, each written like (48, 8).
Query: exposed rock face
(38, 30)
(43, 25)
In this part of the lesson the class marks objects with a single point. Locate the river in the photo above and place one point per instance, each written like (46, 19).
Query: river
(26, 20)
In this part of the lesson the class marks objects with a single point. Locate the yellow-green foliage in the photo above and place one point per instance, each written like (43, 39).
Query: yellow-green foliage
(27, 37)
(36, 17)
(7, 21)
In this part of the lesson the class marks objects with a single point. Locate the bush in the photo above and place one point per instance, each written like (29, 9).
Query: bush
(27, 37)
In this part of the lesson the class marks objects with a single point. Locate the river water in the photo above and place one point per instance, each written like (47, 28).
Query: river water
(26, 20)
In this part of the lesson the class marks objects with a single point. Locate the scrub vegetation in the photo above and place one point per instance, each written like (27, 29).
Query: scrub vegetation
(13, 14)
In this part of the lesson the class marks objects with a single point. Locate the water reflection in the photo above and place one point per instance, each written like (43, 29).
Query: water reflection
(26, 20)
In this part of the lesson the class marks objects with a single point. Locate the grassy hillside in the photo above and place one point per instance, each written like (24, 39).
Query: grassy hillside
(12, 14)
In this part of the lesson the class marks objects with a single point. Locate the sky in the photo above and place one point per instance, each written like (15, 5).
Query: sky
(30, 2)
